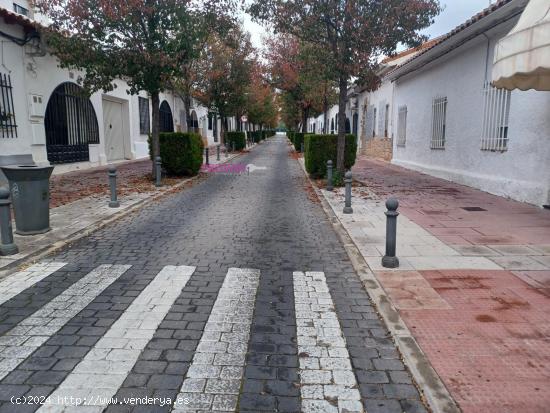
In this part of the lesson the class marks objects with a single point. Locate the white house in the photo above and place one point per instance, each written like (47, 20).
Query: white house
(45, 119)
(451, 123)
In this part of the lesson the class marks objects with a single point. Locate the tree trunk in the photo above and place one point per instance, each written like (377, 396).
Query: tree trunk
(155, 144)
(305, 113)
(222, 129)
(325, 110)
(343, 92)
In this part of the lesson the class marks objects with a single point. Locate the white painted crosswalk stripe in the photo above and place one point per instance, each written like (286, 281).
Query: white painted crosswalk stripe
(214, 378)
(22, 340)
(100, 374)
(21, 280)
(327, 380)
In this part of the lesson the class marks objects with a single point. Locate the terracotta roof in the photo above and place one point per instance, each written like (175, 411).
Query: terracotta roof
(476, 18)
(412, 50)
(11, 17)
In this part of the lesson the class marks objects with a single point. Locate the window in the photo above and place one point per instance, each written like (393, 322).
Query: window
(210, 118)
(496, 113)
(439, 123)
(20, 9)
(386, 120)
(8, 127)
(374, 124)
(144, 123)
(402, 126)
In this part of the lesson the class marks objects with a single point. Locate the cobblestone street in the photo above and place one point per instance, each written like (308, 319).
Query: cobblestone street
(232, 295)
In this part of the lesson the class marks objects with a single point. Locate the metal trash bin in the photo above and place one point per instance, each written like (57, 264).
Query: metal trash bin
(30, 196)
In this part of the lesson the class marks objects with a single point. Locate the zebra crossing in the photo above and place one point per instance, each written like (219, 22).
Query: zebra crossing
(215, 375)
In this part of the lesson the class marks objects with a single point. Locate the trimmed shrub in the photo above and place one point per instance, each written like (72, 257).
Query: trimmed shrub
(256, 136)
(298, 140)
(290, 135)
(180, 153)
(320, 148)
(238, 137)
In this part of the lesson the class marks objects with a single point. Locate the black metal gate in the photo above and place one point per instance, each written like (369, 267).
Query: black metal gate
(166, 121)
(71, 125)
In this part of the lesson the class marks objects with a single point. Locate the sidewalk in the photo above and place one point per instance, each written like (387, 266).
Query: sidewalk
(79, 205)
(473, 286)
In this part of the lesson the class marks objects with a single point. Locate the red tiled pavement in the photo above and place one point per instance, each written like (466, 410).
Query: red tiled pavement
(132, 177)
(436, 205)
(492, 347)
(486, 333)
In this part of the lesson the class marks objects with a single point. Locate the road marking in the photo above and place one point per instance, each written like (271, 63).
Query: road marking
(29, 334)
(327, 380)
(214, 378)
(97, 378)
(21, 280)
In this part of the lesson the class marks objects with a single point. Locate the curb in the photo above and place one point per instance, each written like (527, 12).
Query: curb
(47, 250)
(427, 380)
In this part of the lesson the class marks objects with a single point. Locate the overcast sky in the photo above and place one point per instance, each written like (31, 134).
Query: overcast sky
(455, 12)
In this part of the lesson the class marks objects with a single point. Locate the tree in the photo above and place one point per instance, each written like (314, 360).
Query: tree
(260, 106)
(145, 42)
(355, 32)
(223, 73)
(303, 71)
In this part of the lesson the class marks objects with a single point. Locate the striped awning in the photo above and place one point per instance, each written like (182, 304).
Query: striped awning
(522, 57)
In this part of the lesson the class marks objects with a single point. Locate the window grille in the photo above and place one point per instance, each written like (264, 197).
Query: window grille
(496, 114)
(439, 123)
(20, 9)
(374, 124)
(144, 122)
(166, 121)
(402, 126)
(8, 126)
(386, 120)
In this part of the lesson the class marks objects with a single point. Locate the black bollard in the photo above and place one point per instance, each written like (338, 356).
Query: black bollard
(7, 246)
(347, 181)
(329, 176)
(206, 154)
(218, 152)
(390, 260)
(112, 184)
(158, 171)
(233, 146)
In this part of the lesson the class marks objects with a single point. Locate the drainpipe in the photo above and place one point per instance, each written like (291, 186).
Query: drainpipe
(487, 58)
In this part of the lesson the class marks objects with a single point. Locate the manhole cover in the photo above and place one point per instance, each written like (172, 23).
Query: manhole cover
(473, 209)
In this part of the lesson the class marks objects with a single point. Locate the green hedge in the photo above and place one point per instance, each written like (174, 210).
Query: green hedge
(238, 137)
(298, 140)
(320, 148)
(180, 153)
(255, 136)
(290, 135)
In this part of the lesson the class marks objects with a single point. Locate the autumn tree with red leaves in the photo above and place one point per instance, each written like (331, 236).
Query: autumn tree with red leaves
(354, 32)
(145, 42)
(261, 107)
(223, 73)
(303, 73)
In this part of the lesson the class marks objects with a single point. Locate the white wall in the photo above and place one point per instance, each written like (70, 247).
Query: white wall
(522, 172)
(40, 75)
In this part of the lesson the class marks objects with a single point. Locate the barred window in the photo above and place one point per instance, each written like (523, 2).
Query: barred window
(496, 113)
(20, 9)
(402, 126)
(374, 124)
(144, 122)
(439, 123)
(8, 126)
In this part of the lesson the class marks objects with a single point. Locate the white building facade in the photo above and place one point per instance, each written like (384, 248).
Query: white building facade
(454, 125)
(46, 119)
